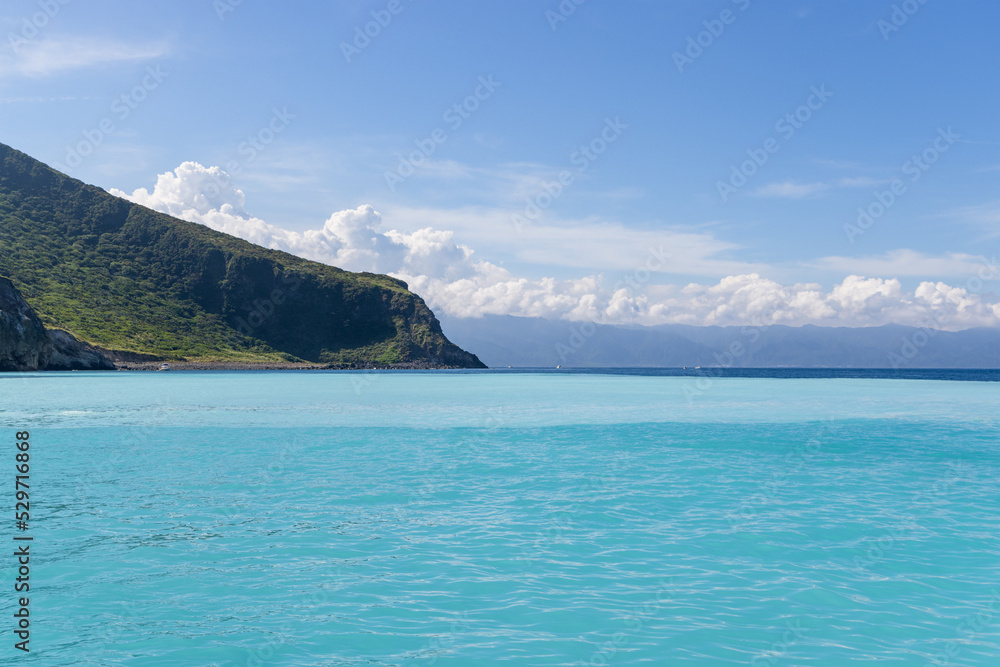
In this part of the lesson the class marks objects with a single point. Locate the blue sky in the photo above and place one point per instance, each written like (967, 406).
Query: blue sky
(557, 80)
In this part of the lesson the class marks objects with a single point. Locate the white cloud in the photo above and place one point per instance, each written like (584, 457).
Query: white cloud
(455, 282)
(44, 57)
(905, 263)
(588, 245)
(795, 190)
(856, 301)
(39, 100)
(791, 190)
(986, 216)
(862, 182)
(350, 239)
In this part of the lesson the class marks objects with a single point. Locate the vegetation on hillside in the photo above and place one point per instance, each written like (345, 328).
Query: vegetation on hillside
(126, 278)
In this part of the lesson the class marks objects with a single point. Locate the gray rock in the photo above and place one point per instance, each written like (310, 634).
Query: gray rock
(25, 344)
(71, 355)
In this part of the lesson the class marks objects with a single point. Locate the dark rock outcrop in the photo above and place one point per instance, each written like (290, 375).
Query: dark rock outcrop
(24, 342)
(26, 345)
(69, 354)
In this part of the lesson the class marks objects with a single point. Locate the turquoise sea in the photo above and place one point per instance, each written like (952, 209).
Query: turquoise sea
(464, 518)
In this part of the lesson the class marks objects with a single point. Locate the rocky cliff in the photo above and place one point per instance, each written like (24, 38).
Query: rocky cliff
(26, 345)
(141, 284)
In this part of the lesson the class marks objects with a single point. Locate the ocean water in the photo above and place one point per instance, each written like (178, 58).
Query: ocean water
(290, 518)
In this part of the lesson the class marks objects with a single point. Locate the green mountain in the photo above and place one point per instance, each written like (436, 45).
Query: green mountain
(133, 281)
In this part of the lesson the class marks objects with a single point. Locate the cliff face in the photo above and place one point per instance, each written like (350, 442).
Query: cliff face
(25, 344)
(69, 354)
(142, 284)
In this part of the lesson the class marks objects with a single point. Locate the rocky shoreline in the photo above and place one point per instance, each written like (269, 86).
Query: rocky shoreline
(26, 345)
(269, 366)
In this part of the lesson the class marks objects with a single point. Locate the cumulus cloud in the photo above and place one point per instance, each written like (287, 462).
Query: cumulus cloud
(855, 301)
(351, 239)
(455, 282)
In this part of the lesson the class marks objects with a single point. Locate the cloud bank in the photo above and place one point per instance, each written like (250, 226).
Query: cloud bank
(457, 283)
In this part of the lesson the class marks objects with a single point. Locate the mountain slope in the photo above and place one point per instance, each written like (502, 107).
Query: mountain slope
(127, 278)
(25, 344)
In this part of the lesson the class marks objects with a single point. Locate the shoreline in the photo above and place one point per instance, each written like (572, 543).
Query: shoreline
(146, 366)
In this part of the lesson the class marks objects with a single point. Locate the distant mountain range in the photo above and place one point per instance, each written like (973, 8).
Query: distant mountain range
(133, 284)
(138, 284)
(502, 341)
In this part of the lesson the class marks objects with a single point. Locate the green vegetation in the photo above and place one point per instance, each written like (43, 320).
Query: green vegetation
(126, 278)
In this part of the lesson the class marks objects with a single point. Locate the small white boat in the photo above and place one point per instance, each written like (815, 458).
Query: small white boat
(164, 367)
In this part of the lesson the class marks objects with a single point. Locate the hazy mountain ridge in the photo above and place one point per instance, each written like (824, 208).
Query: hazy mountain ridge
(126, 278)
(513, 341)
